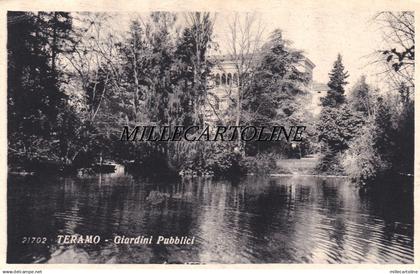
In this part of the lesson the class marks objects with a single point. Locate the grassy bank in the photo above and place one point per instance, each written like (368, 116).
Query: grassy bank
(303, 166)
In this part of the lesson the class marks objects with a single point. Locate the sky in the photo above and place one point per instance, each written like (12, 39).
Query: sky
(322, 35)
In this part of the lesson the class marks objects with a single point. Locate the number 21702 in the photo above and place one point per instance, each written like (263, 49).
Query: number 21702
(34, 240)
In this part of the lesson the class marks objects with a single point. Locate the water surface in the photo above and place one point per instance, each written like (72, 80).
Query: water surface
(258, 220)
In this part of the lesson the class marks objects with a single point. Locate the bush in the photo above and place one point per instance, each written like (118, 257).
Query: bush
(361, 161)
(218, 159)
(224, 161)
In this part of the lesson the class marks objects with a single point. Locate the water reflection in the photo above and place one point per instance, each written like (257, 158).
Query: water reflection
(276, 220)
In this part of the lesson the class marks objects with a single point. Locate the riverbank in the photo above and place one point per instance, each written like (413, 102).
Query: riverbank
(303, 166)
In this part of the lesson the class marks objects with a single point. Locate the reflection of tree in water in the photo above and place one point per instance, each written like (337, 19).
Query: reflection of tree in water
(23, 211)
(393, 208)
(287, 219)
(219, 222)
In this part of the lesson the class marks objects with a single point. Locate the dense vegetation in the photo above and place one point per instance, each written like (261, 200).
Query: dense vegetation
(369, 134)
(73, 84)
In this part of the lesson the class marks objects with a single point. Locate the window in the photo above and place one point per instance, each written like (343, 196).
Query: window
(235, 79)
(217, 79)
(229, 79)
(223, 79)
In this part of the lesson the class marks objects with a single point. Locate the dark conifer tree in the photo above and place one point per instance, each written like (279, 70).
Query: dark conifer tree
(338, 75)
(35, 98)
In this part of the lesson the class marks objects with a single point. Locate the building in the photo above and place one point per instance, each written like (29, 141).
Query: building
(224, 87)
(319, 90)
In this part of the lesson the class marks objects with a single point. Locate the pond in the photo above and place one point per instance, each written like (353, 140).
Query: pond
(258, 220)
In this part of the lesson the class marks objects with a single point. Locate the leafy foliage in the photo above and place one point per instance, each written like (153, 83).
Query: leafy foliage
(274, 96)
(362, 97)
(385, 144)
(338, 126)
(361, 161)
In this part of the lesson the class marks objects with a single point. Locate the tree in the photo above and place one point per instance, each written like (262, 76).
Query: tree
(397, 56)
(93, 79)
(337, 124)
(337, 127)
(190, 73)
(362, 162)
(404, 138)
(361, 97)
(36, 43)
(275, 94)
(395, 118)
(192, 49)
(244, 38)
(384, 141)
(338, 75)
(385, 146)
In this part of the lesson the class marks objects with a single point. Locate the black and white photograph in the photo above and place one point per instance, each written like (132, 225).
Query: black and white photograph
(210, 137)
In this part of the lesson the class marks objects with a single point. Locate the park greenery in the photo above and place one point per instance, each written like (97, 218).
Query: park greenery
(369, 134)
(73, 84)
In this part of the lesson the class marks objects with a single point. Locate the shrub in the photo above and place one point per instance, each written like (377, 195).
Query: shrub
(362, 162)
(223, 161)
(212, 158)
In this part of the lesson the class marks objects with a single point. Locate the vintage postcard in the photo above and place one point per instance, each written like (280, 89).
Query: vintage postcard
(220, 133)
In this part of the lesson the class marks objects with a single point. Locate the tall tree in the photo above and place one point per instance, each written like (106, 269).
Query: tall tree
(244, 38)
(278, 84)
(338, 75)
(193, 64)
(36, 42)
(93, 77)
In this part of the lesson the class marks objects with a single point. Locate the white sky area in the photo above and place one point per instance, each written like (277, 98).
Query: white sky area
(322, 35)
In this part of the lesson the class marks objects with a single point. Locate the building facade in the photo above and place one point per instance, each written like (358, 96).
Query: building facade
(224, 87)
